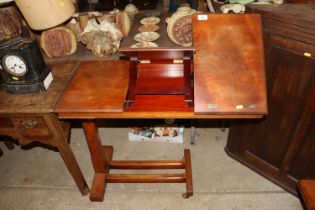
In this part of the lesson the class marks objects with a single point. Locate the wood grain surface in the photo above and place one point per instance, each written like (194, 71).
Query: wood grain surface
(98, 86)
(229, 75)
(293, 21)
(39, 102)
(307, 189)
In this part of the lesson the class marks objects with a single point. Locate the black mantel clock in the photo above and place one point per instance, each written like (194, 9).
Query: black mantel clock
(22, 67)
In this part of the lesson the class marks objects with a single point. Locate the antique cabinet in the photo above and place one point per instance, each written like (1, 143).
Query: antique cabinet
(30, 118)
(281, 146)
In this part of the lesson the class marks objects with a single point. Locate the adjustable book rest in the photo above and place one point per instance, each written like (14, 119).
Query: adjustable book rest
(160, 71)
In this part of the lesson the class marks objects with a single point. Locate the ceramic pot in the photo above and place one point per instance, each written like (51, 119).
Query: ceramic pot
(131, 10)
(179, 26)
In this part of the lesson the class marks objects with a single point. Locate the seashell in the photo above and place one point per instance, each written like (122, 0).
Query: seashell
(102, 38)
(103, 44)
(123, 23)
(103, 26)
(87, 37)
(74, 26)
(110, 17)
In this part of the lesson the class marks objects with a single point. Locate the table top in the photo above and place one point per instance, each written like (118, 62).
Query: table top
(98, 90)
(43, 102)
(97, 87)
(229, 83)
(229, 72)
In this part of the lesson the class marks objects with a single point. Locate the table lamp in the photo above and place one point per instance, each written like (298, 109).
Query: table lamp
(45, 14)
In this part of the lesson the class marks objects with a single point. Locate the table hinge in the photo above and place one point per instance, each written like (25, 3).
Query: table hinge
(177, 61)
(144, 61)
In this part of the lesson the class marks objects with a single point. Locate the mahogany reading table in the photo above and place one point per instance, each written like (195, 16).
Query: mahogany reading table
(224, 78)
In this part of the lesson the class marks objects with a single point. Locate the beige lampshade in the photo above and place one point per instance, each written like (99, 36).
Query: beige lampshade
(44, 14)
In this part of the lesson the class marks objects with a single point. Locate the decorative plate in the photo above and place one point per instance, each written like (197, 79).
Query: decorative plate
(150, 20)
(144, 45)
(149, 27)
(146, 36)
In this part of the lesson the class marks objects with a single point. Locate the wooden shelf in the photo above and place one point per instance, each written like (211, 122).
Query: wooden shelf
(159, 103)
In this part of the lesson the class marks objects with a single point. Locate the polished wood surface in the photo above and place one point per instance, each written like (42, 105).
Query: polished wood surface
(110, 104)
(281, 147)
(98, 86)
(153, 71)
(33, 102)
(283, 18)
(307, 190)
(229, 75)
(102, 95)
(29, 117)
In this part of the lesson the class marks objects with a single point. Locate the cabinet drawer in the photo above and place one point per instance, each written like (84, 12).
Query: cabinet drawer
(31, 126)
(291, 31)
(5, 122)
(293, 46)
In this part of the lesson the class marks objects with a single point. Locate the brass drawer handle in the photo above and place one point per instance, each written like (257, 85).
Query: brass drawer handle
(29, 123)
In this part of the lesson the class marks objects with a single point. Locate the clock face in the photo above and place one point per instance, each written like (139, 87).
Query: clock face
(14, 65)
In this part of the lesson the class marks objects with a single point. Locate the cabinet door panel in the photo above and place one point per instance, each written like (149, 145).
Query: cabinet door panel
(303, 165)
(289, 80)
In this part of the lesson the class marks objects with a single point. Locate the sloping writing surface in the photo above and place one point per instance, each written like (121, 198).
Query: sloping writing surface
(229, 74)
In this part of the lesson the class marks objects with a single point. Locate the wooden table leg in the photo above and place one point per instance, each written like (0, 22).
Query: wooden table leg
(100, 155)
(189, 183)
(67, 154)
(102, 162)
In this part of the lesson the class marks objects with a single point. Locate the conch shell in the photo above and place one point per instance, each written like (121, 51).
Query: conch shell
(123, 23)
(102, 38)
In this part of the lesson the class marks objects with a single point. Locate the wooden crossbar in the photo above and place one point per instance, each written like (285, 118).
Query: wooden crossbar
(153, 164)
(146, 178)
(103, 177)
